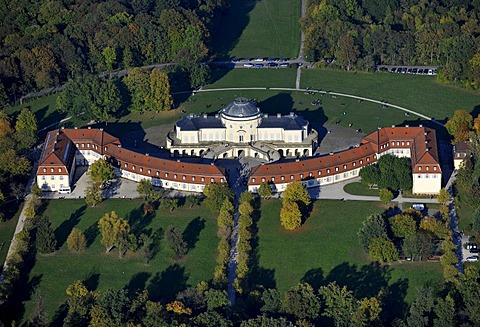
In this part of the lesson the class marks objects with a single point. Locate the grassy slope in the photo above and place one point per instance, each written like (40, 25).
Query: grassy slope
(327, 246)
(419, 93)
(162, 276)
(358, 188)
(44, 109)
(267, 28)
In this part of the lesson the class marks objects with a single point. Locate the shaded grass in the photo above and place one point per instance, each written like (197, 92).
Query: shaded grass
(419, 93)
(253, 77)
(7, 229)
(357, 188)
(44, 109)
(162, 277)
(266, 28)
(326, 248)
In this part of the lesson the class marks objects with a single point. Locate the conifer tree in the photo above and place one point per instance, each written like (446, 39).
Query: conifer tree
(46, 242)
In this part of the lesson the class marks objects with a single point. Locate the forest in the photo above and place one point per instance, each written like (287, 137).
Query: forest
(362, 34)
(43, 43)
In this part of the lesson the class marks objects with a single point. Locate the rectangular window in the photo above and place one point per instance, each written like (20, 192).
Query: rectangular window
(61, 178)
(43, 178)
(240, 138)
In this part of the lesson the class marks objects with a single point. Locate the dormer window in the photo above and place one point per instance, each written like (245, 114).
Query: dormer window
(44, 170)
(336, 168)
(319, 172)
(434, 168)
(310, 174)
(212, 180)
(52, 170)
(253, 180)
(263, 180)
(273, 179)
(420, 168)
(126, 166)
(282, 178)
(361, 162)
(133, 167)
(426, 168)
(291, 177)
(184, 177)
(174, 176)
(203, 179)
(193, 178)
(59, 170)
(354, 164)
(328, 171)
(149, 171)
(344, 166)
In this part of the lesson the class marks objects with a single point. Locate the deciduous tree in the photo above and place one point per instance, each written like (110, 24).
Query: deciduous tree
(385, 195)
(301, 301)
(290, 215)
(340, 304)
(403, 225)
(115, 232)
(216, 194)
(296, 192)
(459, 125)
(76, 241)
(373, 226)
(382, 250)
(26, 129)
(175, 241)
(265, 190)
(93, 195)
(145, 189)
(100, 171)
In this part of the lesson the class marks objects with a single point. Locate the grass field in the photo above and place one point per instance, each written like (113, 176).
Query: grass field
(251, 28)
(44, 109)
(7, 229)
(357, 188)
(419, 93)
(162, 277)
(326, 248)
(253, 77)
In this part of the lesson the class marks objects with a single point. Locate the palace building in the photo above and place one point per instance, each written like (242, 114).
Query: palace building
(241, 129)
(64, 149)
(417, 143)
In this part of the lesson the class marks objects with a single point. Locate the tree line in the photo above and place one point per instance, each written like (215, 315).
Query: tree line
(360, 35)
(43, 43)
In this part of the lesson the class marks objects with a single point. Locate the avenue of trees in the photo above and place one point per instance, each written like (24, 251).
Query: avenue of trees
(328, 304)
(360, 35)
(17, 136)
(46, 42)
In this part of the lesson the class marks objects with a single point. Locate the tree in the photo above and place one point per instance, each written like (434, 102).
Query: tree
(216, 299)
(18, 190)
(115, 232)
(459, 125)
(301, 301)
(385, 195)
(79, 299)
(370, 174)
(340, 303)
(137, 82)
(469, 290)
(76, 241)
(445, 311)
(272, 301)
(265, 191)
(159, 98)
(216, 194)
(264, 321)
(100, 171)
(36, 191)
(175, 241)
(296, 192)
(443, 197)
(93, 195)
(199, 75)
(290, 216)
(421, 307)
(110, 57)
(403, 225)
(192, 200)
(169, 203)
(225, 220)
(411, 247)
(382, 250)
(347, 52)
(145, 189)
(435, 226)
(46, 242)
(373, 226)
(39, 316)
(26, 129)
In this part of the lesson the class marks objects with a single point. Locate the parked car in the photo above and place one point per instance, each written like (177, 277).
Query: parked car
(272, 64)
(248, 65)
(283, 65)
(258, 59)
(258, 65)
(472, 258)
(474, 250)
(418, 206)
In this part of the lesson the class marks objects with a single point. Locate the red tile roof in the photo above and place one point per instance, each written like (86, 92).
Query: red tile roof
(421, 142)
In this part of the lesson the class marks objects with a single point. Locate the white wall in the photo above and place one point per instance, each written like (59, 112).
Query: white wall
(427, 183)
(53, 182)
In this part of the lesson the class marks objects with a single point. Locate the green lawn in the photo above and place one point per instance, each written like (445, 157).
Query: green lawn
(326, 248)
(419, 93)
(464, 214)
(266, 28)
(44, 109)
(357, 188)
(162, 277)
(253, 77)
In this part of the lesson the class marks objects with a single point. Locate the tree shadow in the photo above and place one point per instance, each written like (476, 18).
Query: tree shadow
(258, 276)
(192, 232)
(91, 233)
(59, 316)
(65, 228)
(232, 21)
(154, 246)
(164, 287)
(91, 282)
(138, 282)
(314, 277)
(139, 221)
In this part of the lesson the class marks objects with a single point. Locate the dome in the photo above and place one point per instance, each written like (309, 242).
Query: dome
(240, 108)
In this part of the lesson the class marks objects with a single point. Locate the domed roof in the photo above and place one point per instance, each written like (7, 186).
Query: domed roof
(241, 107)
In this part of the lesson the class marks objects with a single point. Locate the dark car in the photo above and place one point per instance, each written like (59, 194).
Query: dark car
(272, 64)
(474, 250)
